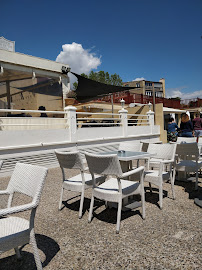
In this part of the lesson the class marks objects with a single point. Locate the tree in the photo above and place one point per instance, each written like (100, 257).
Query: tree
(103, 77)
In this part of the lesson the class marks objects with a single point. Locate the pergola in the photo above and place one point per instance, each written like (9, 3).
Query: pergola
(17, 66)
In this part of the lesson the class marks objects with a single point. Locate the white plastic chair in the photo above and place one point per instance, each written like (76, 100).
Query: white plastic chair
(78, 183)
(164, 157)
(188, 159)
(116, 188)
(15, 231)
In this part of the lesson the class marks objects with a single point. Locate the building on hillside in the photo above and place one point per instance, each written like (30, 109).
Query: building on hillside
(147, 87)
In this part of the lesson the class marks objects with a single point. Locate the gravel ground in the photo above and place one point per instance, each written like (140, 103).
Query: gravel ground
(167, 239)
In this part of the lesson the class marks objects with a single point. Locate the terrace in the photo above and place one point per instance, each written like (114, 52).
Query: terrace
(166, 239)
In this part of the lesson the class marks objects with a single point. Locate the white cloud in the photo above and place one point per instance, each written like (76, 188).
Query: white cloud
(178, 92)
(139, 79)
(79, 59)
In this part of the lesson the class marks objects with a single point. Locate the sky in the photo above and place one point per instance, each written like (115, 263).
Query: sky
(147, 39)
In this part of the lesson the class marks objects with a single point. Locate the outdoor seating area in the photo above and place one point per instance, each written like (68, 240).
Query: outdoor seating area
(113, 186)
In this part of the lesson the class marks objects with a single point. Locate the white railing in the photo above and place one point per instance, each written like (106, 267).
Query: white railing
(97, 119)
(52, 130)
(138, 120)
(84, 119)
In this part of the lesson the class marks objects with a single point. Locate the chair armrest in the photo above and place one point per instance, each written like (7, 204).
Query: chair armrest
(4, 192)
(126, 174)
(164, 161)
(17, 209)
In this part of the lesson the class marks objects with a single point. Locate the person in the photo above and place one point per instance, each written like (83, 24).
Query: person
(186, 126)
(42, 108)
(197, 124)
(172, 130)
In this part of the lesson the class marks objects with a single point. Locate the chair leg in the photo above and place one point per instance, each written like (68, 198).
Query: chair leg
(118, 216)
(150, 187)
(161, 196)
(35, 250)
(173, 190)
(143, 203)
(196, 183)
(81, 204)
(91, 209)
(61, 195)
(172, 181)
(18, 253)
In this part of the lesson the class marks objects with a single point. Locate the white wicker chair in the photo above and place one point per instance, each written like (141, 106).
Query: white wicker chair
(114, 189)
(15, 231)
(164, 157)
(186, 139)
(130, 146)
(78, 183)
(188, 159)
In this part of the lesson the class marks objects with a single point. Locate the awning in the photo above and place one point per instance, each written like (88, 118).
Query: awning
(172, 110)
(88, 89)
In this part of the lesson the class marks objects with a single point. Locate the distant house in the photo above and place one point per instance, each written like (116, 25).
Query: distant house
(147, 87)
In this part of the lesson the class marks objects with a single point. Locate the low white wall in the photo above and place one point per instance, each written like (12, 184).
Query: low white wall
(143, 130)
(19, 138)
(30, 123)
(98, 133)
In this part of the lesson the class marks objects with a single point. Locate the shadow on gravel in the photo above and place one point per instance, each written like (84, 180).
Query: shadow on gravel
(76, 204)
(189, 187)
(109, 215)
(46, 244)
(154, 196)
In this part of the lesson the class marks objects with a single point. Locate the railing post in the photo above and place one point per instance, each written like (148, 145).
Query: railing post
(70, 115)
(65, 88)
(150, 115)
(124, 121)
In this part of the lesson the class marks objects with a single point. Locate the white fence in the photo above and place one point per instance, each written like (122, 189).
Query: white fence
(33, 139)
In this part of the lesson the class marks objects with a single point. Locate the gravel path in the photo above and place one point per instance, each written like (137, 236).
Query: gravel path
(167, 239)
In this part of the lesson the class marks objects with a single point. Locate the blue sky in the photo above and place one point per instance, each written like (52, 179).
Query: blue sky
(147, 39)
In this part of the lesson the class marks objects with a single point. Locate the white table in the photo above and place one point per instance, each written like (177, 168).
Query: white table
(126, 157)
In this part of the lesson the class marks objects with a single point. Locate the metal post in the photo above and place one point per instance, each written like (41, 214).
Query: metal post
(112, 101)
(154, 104)
(8, 94)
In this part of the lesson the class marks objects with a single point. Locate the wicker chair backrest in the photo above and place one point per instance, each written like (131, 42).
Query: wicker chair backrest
(104, 164)
(131, 146)
(186, 139)
(28, 179)
(162, 151)
(187, 149)
(70, 160)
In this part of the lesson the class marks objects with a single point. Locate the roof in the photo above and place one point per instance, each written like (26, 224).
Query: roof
(18, 66)
(172, 110)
